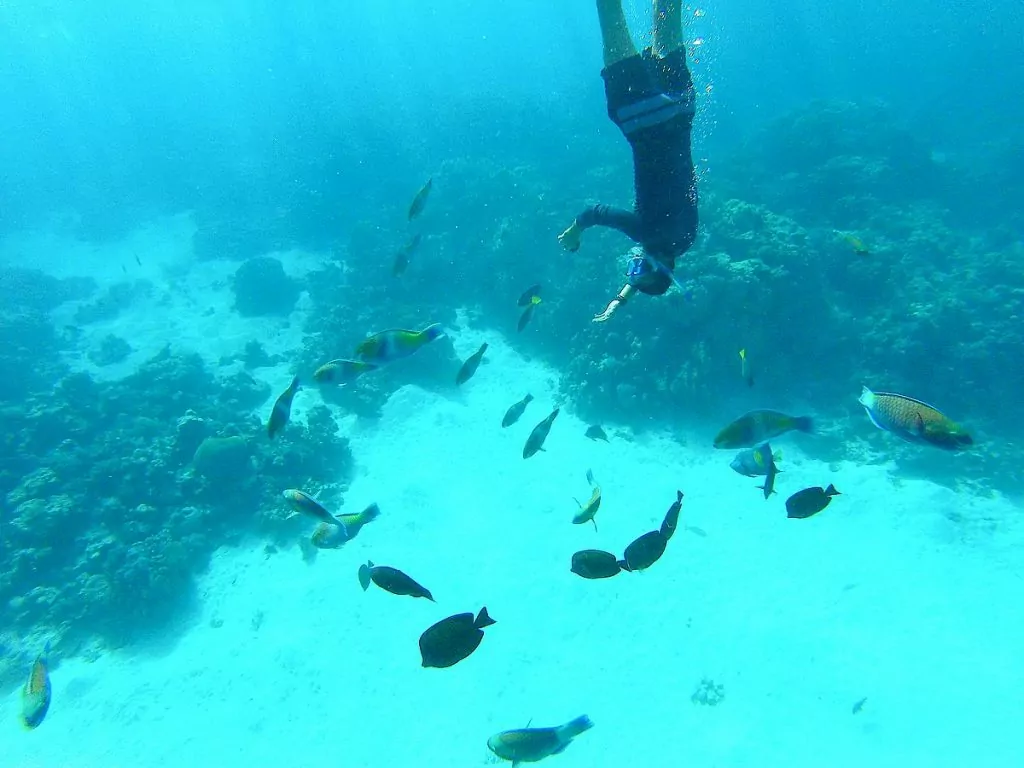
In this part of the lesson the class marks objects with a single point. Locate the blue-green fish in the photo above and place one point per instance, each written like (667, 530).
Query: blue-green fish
(341, 371)
(913, 421)
(331, 536)
(305, 504)
(35, 697)
(757, 426)
(529, 745)
(282, 409)
(388, 346)
(754, 462)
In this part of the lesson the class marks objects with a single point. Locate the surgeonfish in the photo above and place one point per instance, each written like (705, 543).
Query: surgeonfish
(913, 421)
(596, 432)
(391, 580)
(529, 745)
(451, 640)
(671, 521)
(809, 501)
(535, 442)
(515, 411)
(595, 564)
(282, 409)
(404, 254)
(769, 479)
(420, 201)
(754, 462)
(645, 551)
(587, 511)
(524, 318)
(331, 536)
(760, 425)
(469, 367)
(35, 696)
(395, 344)
(527, 296)
(305, 504)
(746, 369)
(341, 371)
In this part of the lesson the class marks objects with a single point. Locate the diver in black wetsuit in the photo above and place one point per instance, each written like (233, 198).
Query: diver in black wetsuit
(651, 98)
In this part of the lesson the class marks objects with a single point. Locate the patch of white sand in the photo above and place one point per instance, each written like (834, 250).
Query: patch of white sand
(882, 596)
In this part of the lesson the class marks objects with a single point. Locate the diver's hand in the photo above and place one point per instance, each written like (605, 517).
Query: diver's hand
(570, 239)
(605, 316)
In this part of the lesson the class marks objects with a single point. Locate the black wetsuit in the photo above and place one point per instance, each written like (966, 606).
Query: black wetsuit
(652, 100)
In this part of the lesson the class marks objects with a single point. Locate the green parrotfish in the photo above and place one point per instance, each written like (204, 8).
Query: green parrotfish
(530, 745)
(282, 409)
(913, 421)
(760, 425)
(388, 346)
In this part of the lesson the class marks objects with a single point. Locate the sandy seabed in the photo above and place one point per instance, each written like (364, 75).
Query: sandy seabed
(901, 594)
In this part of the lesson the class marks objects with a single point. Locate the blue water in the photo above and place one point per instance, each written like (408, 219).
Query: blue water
(200, 201)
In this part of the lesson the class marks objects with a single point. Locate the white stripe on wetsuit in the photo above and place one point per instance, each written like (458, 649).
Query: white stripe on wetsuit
(652, 111)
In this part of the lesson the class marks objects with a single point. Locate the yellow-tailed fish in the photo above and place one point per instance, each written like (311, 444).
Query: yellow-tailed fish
(330, 536)
(341, 371)
(757, 426)
(282, 409)
(529, 745)
(913, 421)
(587, 511)
(391, 345)
(305, 504)
(746, 370)
(35, 697)
(524, 318)
(469, 367)
(420, 201)
(754, 462)
(404, 254)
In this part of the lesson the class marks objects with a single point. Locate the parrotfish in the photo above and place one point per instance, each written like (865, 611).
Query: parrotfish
(525, 318)
(757, 426)
(769, 480)
(404, 254)
(420, 201)
(331, 536)
(535, 442)
(809, 501)
(341, 371)
(527, 296)
(754, 462)
(513, 414)
(451, 640)
(35, 697)
(913, 421)
(529, 745)
(469, 367)
(596, 432)
(305, 504)
(391, 345)
(596, 564)
(282, 409)
(587, 511)
(391, 580)
(671, 521)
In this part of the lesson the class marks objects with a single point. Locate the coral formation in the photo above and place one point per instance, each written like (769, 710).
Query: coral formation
(262, 288)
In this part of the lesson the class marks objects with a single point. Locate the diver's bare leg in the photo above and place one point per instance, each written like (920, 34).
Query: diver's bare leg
(618, 45)
(668, 26)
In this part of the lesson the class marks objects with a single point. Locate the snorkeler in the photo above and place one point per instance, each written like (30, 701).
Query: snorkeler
(652, 101)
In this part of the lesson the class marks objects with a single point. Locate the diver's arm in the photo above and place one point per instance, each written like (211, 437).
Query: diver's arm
(626, 222)
(622, 297)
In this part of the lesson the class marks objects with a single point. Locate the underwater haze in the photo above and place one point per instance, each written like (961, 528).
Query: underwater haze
(320, 448)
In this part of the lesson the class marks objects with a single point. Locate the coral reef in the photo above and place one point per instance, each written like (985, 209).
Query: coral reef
(109, 304)
(112, 349)
(261, 287)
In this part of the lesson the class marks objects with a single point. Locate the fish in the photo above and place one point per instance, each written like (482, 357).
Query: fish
(754, 462)
(395, 344)
(515, 411)
(469, 367)
(305, 504)
(859, 705)
(809, 501)
(529, 745)
(913, 421)
(331, 536)
(341, 371)
(524, 318)
(391, 580)
(857, 245)
(124, 269)
(596, 432)
(404, 254)
(760, 425)
(527, 297)
(282, 409)
(35, 696)
(645, 551)
(596, 564)
(535, 442)
(419, 202)
(451, 640)
(769, 480)
(746, 369)
(671, 521)
(138, 260)
(588, 510)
